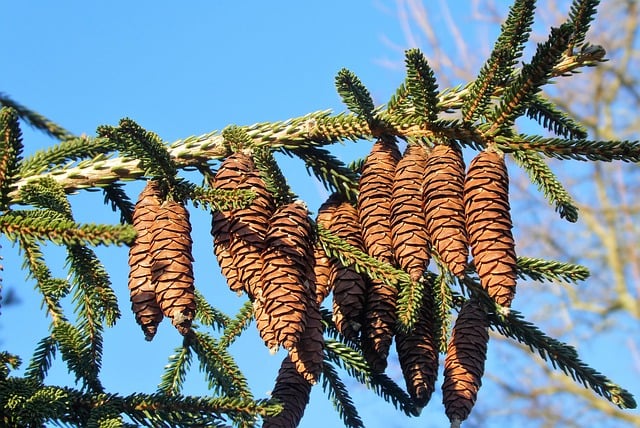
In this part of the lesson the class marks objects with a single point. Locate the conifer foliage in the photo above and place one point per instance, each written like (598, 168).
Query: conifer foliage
(386, 259)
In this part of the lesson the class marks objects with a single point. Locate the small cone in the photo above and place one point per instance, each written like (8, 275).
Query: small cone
(378, 326)
(308, 353)
(322, 273)
(141, 290)
(286, 277)
(171, 270)
(418, 354)
(489, 225)
(464, 363)
(408, 224)
(443, 184)
(293, 391)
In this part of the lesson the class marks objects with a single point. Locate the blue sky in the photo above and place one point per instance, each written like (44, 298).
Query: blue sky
(180, 71)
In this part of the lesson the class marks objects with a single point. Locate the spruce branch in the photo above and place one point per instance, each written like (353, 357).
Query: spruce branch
(562, 356)
(409, 303)
(218, 199)
(36, 120)
(547, 182)
(549, 116)
(550, 270)
(356, 96)
(115, 195)
(332, 173)
(421, 85)
(209, 315)
(362, 262)
(338, 393)
(443, 299)
(7, 363)
(175, 372)
(582, 150)
(356, 366)
(76, 353)
(532, 77)
(237, 325)
(42, 359)
(10, 152)
(41, 225)
(272, 176)
(581, 14)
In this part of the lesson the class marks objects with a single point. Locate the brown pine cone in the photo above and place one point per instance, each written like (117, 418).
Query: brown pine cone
(141, 290)
(172, 270)
(444, 206)
(408, 223)
(341, 218)
(293, 391)
(286, 277)
(378, 325)
(232, 172)
(464, 363)
(374, 198)
(486, 194)
(418, 354)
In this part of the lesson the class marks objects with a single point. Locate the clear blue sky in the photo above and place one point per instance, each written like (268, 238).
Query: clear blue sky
(182, 69)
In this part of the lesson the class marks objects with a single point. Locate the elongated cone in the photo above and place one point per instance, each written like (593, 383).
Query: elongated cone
(172, 270)
(141, 290)
(374, 212)
(464, 363)
(418, 354)
(231, 173)
(341, 218)
(408, 223)
(444, 206)
(293, 391)
(489, 225)
(239, 234)
(286, 277)
(374, 198)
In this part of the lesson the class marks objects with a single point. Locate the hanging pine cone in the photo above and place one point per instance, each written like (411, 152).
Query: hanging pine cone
(418, 354)
(341, 218)
(444, 207)
(141, 290)
(286, 277)
(231, 173)
(293, 391)
(489, 225)
(464, 363)
(374, 212)
(408, 223)
(171, 270)
(308, 354)
(374, 198)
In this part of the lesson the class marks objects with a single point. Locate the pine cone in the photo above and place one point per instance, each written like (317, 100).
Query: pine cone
(341, 218)
(408, 223)
(293, 391)
(232, 172)
(374, 198)
(444, 206)
(464, 363)
(378, 326)
(286, 277)
(141, 290)
(418, 354)
(486, 194)
(172, 270)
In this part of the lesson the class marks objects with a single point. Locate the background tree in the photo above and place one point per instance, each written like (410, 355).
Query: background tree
(247, 185)
(604, 239)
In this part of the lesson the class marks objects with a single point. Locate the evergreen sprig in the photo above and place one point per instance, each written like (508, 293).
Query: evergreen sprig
(36, 120)
(550, 270)
(581, 14)
(272, 176)
(409, 303)
(175, 372)
(115, 196)
(513, 325)
(421, 85)
(10, 152)
(547, 182)
(356, 96)
(237, 325)
(339, 395)
(209, 315)
(42, 360)
(552, 118)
